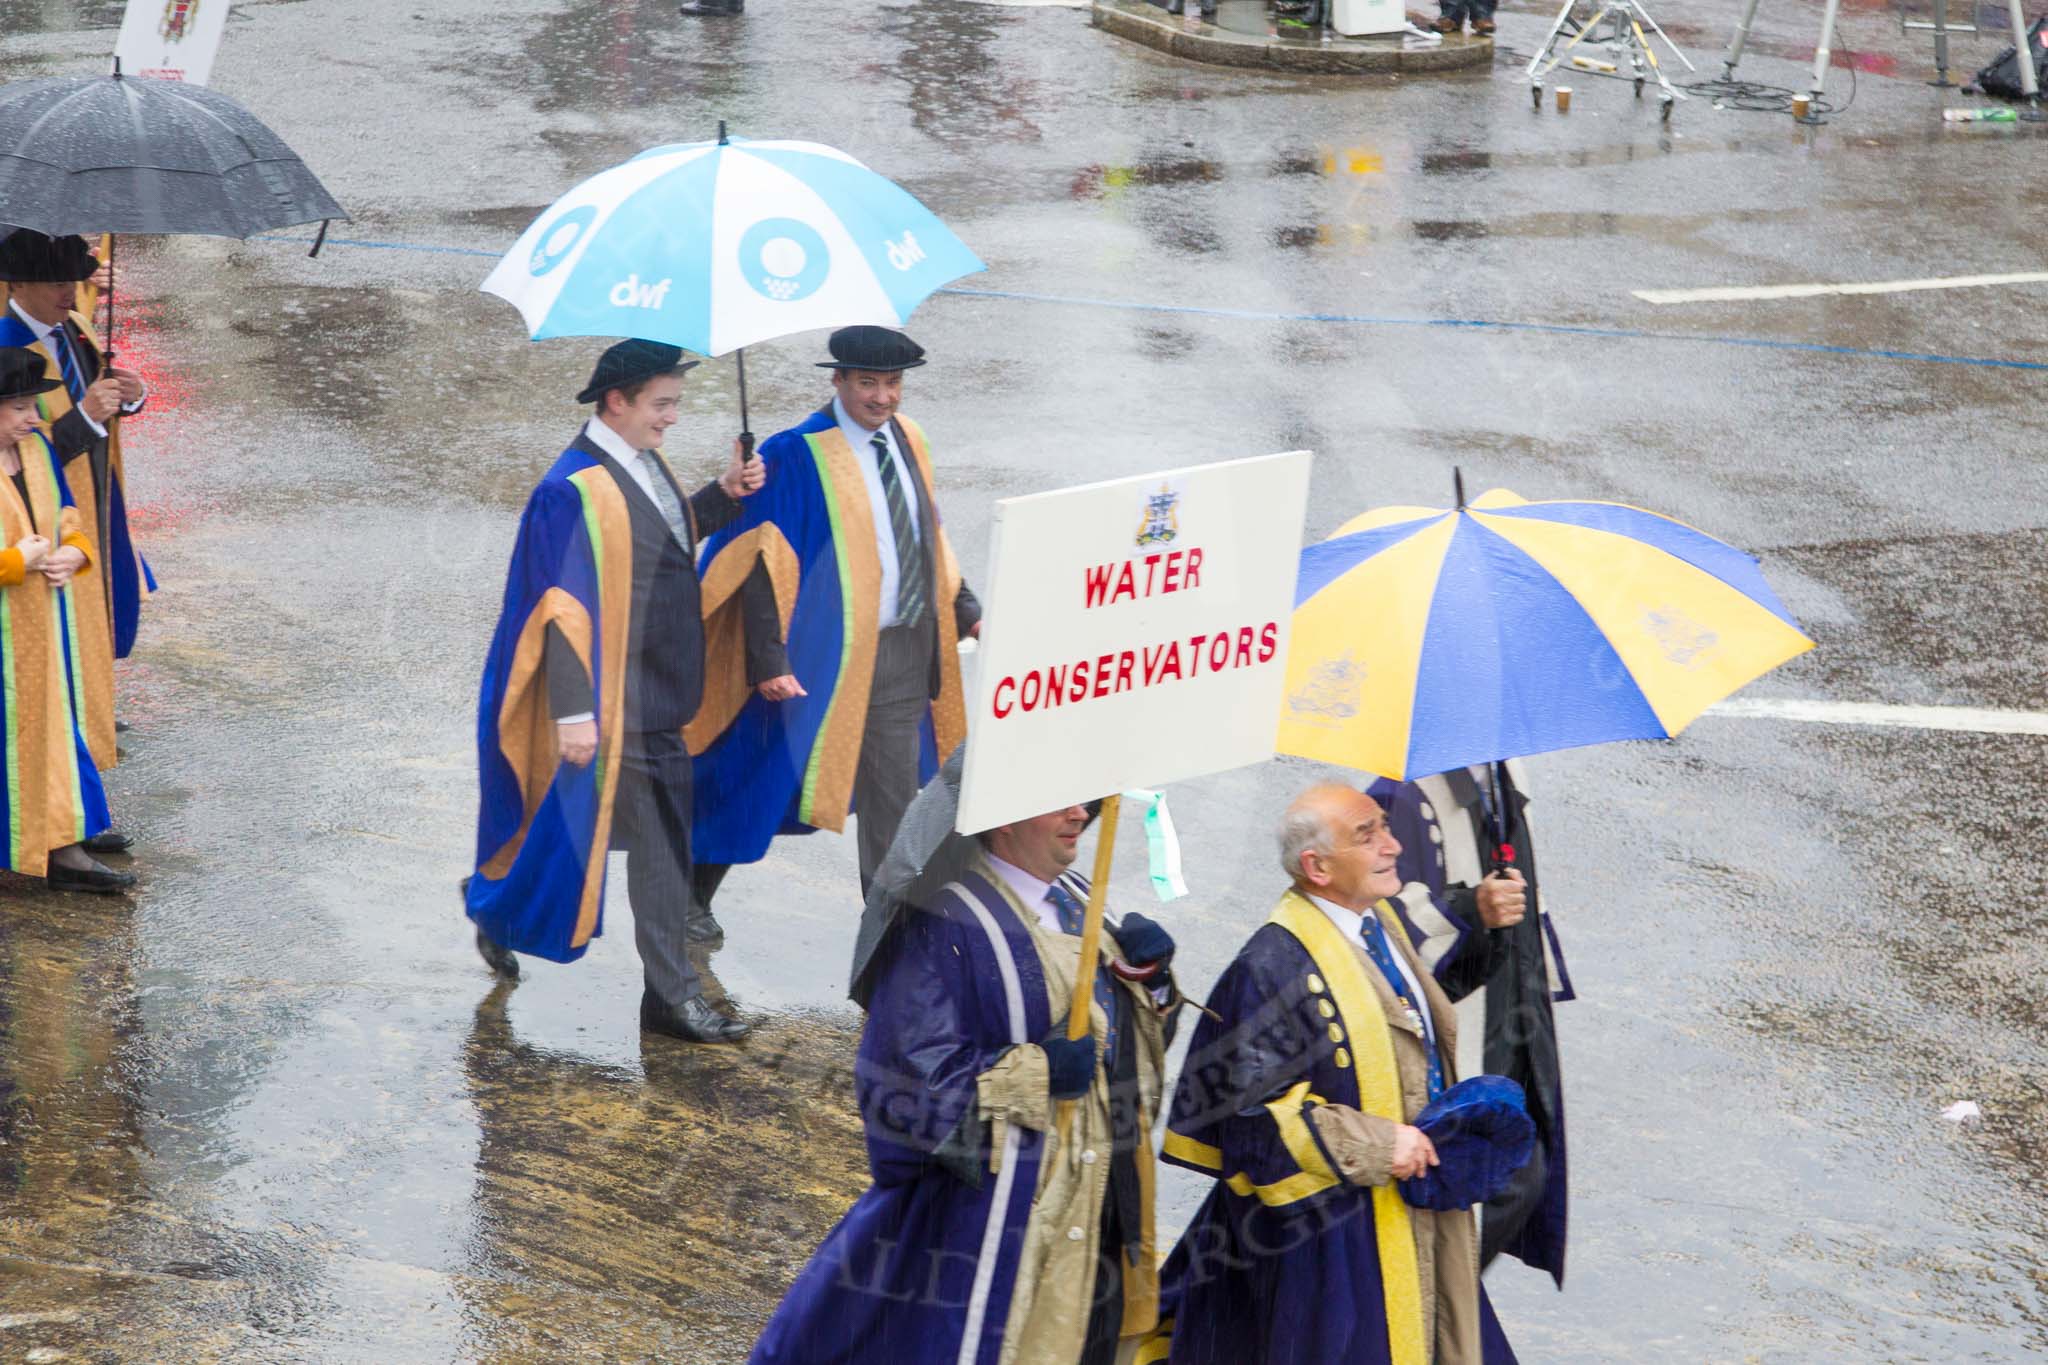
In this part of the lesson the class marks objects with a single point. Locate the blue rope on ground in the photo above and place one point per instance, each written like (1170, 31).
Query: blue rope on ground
(1343, 319)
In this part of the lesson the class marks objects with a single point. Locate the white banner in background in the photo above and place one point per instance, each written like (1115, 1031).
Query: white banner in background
(171, 40)
(1136, 634)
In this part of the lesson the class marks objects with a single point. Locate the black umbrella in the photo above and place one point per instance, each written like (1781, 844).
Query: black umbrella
(130, 154)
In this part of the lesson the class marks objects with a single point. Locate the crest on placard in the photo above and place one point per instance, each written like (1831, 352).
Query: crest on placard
(178, 17)
(1161, 523)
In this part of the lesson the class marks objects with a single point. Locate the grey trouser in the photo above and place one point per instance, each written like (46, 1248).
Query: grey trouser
(887, 776)
(651, 821)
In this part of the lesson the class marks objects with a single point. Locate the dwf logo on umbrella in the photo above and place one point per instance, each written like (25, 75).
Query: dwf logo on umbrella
(558, 238)
(784, 259)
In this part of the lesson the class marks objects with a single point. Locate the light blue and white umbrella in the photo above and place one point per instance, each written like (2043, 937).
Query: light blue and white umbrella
(713, 246)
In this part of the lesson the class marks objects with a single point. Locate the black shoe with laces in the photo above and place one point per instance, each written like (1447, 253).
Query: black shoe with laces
(693, 1021)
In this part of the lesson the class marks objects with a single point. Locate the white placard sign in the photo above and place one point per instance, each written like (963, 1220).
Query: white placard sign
(1136, 634)
(171, 40)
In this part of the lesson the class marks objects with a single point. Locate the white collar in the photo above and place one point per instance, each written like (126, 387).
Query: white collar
(1029, 889)
(1350, 923)
(37, 325)
(611, 443)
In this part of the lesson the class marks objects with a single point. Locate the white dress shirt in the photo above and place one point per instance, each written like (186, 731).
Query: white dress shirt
(1029, 889)
(42, 330)
(861, 439)
(1351, 924)
(616, 446)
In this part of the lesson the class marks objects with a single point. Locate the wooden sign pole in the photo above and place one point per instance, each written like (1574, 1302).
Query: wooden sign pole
(1091, 939)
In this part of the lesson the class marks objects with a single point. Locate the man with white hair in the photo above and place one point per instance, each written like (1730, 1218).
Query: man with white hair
(1325, 1038)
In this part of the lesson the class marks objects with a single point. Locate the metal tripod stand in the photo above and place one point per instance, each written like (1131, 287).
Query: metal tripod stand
(1625, 40)
(2029, 79)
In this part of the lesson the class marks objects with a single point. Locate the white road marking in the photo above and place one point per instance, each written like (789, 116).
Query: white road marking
(1974, 719)
(1807, 291)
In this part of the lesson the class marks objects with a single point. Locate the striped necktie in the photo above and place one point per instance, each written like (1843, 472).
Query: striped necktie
(909, 564)
(1073, 915)
(1382, 954)
(67, 364)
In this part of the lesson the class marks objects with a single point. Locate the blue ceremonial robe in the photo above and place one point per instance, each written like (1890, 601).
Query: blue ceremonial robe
(1286, 1262)
(766, 768)
(543, 826)
(927, 1258)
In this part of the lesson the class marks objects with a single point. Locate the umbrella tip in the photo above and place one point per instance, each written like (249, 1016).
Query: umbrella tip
(721, 133)
(1458, 485)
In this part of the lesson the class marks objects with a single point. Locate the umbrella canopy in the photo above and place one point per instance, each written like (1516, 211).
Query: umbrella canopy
(1428, 639)
(130, 154)
(713, 246)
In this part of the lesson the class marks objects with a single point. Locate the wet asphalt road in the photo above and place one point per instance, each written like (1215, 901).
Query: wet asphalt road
(273, 1110)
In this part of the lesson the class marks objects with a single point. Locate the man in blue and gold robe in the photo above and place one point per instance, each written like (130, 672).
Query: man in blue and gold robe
(1326, 1039)
(985, 1238)
(595, 668)
(833, 609)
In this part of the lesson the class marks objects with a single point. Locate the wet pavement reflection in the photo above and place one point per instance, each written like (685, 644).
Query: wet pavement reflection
(274, 1109)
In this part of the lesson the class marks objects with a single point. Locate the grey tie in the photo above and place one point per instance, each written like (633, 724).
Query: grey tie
(665, 498)
(909, 564)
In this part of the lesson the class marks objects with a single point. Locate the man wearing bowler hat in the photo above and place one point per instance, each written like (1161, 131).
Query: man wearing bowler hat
(596, 666)
(833, 607)
(83, 416)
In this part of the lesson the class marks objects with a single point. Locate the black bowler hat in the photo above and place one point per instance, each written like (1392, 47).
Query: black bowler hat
(29, 257)
(872, 348)
(23, 373)
(629, 362)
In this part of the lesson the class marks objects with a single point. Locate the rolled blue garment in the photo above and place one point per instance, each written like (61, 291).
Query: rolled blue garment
(1483, 1134)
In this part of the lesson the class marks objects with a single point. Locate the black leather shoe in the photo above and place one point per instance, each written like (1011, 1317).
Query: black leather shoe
(497, 956)
(704, 931)
(120, 727)
(108, 841)
(712, 9)
(100, 879)
(693, 1021)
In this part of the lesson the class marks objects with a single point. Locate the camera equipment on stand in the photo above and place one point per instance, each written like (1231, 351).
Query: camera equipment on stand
(1625, 41)
(1823, 53)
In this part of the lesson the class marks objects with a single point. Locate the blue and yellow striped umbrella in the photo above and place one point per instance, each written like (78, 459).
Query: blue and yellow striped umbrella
(1427, 639)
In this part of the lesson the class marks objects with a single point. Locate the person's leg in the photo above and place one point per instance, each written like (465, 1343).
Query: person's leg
(705, 879)
(886, 778)
(654, 794)
(1106, 1315)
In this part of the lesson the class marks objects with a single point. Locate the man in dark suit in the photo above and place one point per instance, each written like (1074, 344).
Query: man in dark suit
(622, 674)
(851, 606)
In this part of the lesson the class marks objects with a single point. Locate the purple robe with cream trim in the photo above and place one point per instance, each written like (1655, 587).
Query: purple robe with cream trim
(921, 1269)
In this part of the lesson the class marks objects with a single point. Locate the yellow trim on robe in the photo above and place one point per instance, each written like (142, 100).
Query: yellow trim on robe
(835, 755)
(1187, 1149)
(1379, 1093)
(1315, 1174)
(95, 606)
(949, 708)
(604, 509)
(726, 688)
(526, 727)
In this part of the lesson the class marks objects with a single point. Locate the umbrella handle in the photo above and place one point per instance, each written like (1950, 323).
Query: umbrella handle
(746, 435)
